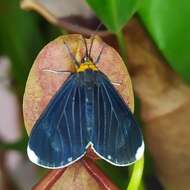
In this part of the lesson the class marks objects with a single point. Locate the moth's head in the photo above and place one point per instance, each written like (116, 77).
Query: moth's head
(86, 64)
(86, 60)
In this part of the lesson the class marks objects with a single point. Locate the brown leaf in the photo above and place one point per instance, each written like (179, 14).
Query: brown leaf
(83, 175)
(59, 9)
(73, 15)
(42, 83)
(165, 101)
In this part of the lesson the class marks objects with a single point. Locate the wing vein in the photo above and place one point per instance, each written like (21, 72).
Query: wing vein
(73, 115)
(80, 116)
(98, 105)
(105, 123)
(112, 108)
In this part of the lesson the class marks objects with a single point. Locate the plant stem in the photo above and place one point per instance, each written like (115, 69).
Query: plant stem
(136, 176)
(19, 145)
(122, 45)
(137, 171)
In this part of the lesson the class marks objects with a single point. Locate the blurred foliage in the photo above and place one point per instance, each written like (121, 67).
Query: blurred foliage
(169, 25)
(22, 35)
(109, 11)
(20, 145)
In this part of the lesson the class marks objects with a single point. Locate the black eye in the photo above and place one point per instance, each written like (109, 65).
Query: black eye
(85, 59)
(90, 59)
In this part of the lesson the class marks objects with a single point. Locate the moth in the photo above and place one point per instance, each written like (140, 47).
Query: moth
(87, 111)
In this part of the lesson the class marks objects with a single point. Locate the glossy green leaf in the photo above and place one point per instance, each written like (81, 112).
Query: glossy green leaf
(114, 13)
(168, 22)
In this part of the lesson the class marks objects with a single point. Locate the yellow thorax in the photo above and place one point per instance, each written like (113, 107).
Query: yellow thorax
(87, 65)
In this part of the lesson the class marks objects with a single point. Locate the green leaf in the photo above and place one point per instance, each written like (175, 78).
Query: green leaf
(168, 22)
(114, 13)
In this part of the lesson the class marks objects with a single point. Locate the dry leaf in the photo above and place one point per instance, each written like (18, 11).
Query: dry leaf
(42, 83)
(83, 175)
(73, 15)
(165, 101)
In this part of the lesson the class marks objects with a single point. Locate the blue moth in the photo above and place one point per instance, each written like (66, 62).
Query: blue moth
(87, 111)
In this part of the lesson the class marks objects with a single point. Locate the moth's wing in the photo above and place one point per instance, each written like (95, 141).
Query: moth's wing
(116, 137)
(58, 137)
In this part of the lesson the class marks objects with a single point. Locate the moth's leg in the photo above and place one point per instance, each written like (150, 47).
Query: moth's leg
(57, 71)
(71, 55)
(116, 83)
(99, 56)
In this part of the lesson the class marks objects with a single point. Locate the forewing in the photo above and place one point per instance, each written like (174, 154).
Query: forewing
(116, 136)
(58, 138)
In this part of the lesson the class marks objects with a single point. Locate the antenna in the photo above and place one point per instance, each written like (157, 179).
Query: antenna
(71, 55)
(93, 37)
(98, 58)
(84, 40)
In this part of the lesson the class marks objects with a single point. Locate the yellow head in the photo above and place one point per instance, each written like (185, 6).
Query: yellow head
(87, 65)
